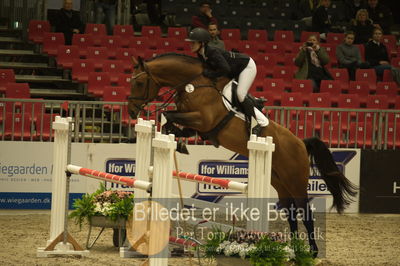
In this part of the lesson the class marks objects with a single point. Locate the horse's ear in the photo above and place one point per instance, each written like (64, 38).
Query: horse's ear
(141, 63)
(134, 61)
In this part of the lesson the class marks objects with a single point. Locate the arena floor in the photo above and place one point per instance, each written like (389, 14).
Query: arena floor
(352, 239)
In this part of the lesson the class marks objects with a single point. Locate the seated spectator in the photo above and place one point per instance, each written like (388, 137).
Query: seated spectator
(215, 40)
(376, 54)
(311, 61)
(362, 27)
(349, 56)
(352, 7)
(320, 20)
(204, 18)
(105, 13)
(68, 21)
(380, 14)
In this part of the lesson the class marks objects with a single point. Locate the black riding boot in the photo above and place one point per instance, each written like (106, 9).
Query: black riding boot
(248, 110)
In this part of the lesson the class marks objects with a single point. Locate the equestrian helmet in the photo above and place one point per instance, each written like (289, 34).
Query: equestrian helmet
(199, 35)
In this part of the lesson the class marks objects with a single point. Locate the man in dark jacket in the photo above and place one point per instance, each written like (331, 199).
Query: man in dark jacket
(204, 18)
(320, 20)
(68, 21)
(380, 14)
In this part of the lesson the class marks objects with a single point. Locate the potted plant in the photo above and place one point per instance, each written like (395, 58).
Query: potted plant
(256, 248)
(104, 208)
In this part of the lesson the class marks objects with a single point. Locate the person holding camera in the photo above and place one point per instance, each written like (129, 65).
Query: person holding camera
(311, 61)
(205, 17)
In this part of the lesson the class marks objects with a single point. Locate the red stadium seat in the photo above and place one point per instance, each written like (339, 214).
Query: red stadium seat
(97, 31)
(334, 87)
(377, 102)
(6, 76)
(368, 75)
(333, 134)
(36, 30)
(393, 136)
(284, 72)
(81, 69)
(83, 41)
(342, 75)
(51, 42)
(387, 88)
(151, 31)
(111, 43)
(167, 44)
(306, 34)
(276, 86)
(98, 54)
(179, 33)
(97, 81)
(125, 56)
(125, 32)
(124, 81)
(230, 34)
(285, 36)
(249, 47)
(303, 86)
(387, 75)
(277, 48)
(360, 135)
(66, 54)
(18, 90)
(292, 99)
(139, 43)
(43, 126)
(395, 62)
(17, 126)
(114, 67)
(288, 59)
(334, 38)
(361, 88)
(302, 129)
(257, 35)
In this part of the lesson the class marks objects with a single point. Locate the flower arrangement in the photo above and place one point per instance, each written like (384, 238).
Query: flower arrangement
(259, 248)
(112, 204)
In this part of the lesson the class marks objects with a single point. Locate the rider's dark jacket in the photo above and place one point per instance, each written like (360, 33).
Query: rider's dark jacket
(223, 63)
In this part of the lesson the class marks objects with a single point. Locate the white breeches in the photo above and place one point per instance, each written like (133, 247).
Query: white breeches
(246, 78)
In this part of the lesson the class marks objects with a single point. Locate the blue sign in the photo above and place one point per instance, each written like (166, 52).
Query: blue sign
(122, 167)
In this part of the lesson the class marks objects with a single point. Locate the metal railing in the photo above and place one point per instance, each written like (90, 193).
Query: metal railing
(98, 121)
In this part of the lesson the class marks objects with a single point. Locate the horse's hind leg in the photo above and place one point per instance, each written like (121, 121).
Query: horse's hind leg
(303, 206)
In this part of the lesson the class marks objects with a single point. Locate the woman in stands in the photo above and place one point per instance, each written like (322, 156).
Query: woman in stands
(362, 27)
(237, 66)
(311, 61)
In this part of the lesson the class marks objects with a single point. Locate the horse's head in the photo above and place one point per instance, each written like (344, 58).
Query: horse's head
(144, 88)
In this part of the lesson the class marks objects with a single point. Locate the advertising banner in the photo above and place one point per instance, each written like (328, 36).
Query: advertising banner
(380, 182)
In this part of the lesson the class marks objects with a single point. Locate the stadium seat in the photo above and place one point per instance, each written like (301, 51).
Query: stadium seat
(249, 47)
(257, 35)
(334, 87)
(125, 32)
(151, 31)
(333, 134)
(114, 94)
(302, 129)
(387, 88)
(294, 99)
(43, 126)
(288, 59)
(66, 54)
(360, 135)
(17, 90)
(96, 83)
(96, 29)
(368, 75)
(285, 36)
(111, 43)
(277, 48)
(390, 43)
(83, 41)
(98, 54)
(334, 38)
(395, 62)
(277, 87)
(124, 81)
(361, 88)
(297, 26)
(393, 136)
(167, 44)
(51, 42)
(377, 102)
(266, 59)
(230, 34)
(342, 75)
(387, 75)
(81, 69)
(114, 67)
(139, 43)
(179, 33)
(125, 56)
(284, 72)
(17, 126)
(303, 86)
(36, 30)
(272, 25)
(6, 76)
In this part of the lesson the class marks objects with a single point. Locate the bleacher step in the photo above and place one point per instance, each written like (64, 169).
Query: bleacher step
(35, 78)
(17, 52)
(38, 92)
(24, 65)
(11, 40)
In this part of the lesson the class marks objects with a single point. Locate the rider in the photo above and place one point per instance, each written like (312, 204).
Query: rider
(232, 65)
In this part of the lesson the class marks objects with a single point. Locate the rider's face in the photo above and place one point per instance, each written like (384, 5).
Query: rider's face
(195, 46)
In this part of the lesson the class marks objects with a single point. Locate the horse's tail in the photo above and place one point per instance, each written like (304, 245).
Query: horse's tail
(341, 188)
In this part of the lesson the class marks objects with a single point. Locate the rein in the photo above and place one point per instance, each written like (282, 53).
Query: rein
(167, 102)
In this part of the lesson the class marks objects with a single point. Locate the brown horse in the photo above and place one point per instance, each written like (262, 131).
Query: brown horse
(202, 110)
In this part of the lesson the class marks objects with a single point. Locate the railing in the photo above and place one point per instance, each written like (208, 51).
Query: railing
(30, 120)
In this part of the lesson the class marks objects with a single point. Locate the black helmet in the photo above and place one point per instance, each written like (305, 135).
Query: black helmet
(199, 34)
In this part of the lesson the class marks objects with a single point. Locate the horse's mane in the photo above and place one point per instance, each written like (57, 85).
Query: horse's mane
(187, 58)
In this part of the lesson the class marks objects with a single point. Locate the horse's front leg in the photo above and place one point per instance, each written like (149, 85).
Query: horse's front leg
(191, 121)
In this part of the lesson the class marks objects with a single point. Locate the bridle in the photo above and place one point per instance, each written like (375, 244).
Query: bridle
(146, 97)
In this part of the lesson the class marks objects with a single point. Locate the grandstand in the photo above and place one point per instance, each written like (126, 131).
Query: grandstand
(89, 80)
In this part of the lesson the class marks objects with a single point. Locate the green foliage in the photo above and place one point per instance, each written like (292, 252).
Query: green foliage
(268, 253)
(304, 257)
(112, 204)
(217, 237)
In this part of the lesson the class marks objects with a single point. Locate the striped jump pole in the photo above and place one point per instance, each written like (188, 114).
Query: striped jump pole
(224, 183)
(122, 180)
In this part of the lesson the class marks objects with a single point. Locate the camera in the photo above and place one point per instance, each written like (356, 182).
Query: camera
(309, 44)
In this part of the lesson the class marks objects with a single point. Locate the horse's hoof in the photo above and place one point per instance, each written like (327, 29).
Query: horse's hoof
(181, 148)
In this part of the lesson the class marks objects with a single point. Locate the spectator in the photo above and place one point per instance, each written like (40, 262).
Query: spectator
(204, 18)
(105, 13)
(68, 21)
(362, 26)
(306, 8)
(376, 54)
(348, 55)
(380, 14)
(311, 61)
(320, 20)
(215, 40)
(352, 7)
